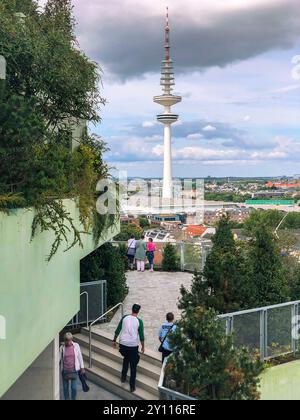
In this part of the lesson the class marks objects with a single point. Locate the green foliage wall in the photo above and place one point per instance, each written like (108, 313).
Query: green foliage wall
(51, 88)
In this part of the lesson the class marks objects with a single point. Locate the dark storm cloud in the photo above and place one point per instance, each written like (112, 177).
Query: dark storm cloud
(127, 41)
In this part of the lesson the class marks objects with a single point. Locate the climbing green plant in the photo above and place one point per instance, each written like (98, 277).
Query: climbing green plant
(52, 88)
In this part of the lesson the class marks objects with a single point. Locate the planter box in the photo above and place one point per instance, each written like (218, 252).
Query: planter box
(281, 382)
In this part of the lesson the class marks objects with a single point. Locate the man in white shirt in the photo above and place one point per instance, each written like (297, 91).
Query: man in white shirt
(131, 332)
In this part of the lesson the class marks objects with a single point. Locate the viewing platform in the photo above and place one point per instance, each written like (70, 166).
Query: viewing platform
(157, 293)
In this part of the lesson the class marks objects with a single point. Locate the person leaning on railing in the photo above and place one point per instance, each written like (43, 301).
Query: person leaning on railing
(131, 249)
(140, 254)
(150, 253)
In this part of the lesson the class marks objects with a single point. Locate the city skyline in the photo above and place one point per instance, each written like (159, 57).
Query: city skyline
(240, 115)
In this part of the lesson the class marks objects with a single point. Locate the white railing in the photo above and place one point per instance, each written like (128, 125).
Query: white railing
(167, 394)
(192, 257)
(271, 331)
(102, 317)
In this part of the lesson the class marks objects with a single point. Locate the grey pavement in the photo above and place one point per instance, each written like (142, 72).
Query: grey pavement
(95, 394)
(157, 293)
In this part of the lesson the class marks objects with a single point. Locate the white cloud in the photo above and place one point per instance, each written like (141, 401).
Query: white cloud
(286, 89)
(149, 124)
(195, 136)
(209, 128)
(158, 150)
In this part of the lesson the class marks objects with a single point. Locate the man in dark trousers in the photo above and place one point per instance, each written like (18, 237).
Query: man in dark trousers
(131, 332)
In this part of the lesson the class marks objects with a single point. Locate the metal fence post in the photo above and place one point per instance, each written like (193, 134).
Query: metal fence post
(182, 262)
(263, 335)
(2, 75)
(229, 325)
(294, 322)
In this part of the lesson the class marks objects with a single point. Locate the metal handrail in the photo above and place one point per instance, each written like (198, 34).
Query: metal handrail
(121, 305)
(171, 394)
(265, 308)
(263, 330)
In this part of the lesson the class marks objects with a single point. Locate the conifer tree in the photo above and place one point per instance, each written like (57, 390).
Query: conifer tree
(170, 258)
(266, 271)
(223, 284)
(206, 365)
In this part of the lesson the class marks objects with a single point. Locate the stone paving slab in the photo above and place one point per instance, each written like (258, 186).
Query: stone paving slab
(157, 293)
(96, 393)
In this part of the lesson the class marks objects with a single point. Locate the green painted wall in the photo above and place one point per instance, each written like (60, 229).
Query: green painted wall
(281, 382)
(37, 298)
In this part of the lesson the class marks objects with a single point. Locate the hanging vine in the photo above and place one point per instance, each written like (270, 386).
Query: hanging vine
(52, 88)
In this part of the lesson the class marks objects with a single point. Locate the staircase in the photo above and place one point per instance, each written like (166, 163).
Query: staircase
(107, 366)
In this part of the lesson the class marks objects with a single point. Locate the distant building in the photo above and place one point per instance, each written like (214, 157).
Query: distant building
(268, 194)
(238, 215)
(159, 218)
(130, 220)
(283, 185)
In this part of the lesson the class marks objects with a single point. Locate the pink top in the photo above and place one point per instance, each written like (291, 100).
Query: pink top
(151, 247)
(69, 359)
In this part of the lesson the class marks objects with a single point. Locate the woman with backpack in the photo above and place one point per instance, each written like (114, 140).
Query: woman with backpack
(131, 245)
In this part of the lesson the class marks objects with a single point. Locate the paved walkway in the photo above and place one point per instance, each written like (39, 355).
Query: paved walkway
(96, 393)
(157, 293)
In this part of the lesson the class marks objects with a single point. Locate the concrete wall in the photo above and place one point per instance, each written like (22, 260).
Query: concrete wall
(281, 382)
(41, 380)
(37, 299)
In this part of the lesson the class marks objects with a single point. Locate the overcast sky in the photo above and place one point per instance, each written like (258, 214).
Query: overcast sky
(240, 113)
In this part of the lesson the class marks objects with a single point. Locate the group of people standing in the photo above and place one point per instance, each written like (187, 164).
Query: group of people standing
(138, 251)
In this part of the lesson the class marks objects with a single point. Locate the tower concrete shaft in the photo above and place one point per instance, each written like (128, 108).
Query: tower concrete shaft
(167, 100)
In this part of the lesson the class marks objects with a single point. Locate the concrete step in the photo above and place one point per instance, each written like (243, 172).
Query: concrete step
(109, 382)
(98, 348)
(105, 364)
(106, 338)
